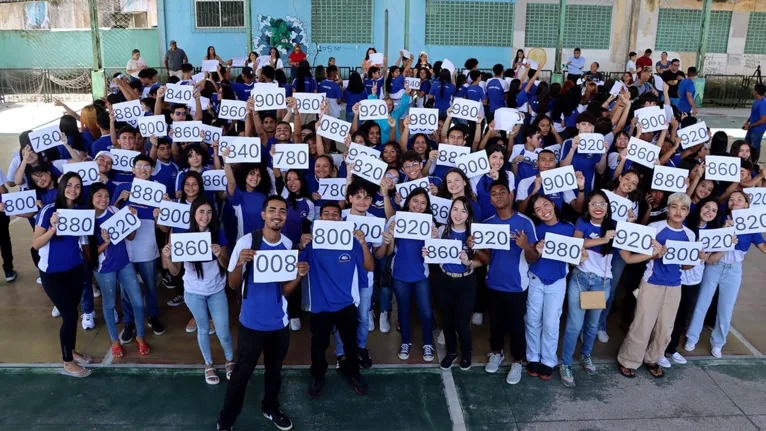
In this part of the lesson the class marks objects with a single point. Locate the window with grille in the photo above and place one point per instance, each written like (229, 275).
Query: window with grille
(679, 30)
(756, 34)
(469, 23)
(585, 26)
(341, 21)
(219, 13)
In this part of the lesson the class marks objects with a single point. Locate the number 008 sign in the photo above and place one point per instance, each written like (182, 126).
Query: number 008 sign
(275, 266)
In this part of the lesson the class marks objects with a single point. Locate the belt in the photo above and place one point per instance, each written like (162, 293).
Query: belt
(456, 274)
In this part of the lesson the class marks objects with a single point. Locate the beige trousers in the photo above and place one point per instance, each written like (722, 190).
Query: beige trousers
(650, 331)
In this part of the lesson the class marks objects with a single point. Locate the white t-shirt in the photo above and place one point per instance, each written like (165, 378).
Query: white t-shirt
(143, 248)
(135, 64)
(597, 263)
(212, 282)
(522, 191)
(12, 168)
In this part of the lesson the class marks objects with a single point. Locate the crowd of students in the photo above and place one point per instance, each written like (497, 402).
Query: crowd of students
(264, 208)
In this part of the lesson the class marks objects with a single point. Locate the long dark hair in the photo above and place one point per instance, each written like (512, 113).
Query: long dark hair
(543, 96)
(444, 78)
(444, 192)
(198, 177)
(93, 239)
(416, 192)
(514, 91)
(496, 147)
(244, 169)
(468, 208)
(390, 77)
(632, 196)
(607, 223)
(60, 202)
(304, 71)
(68, 126)
(531, 209)
(355, 83)
(694, 218)
(212, 227)
(303, 192)
(207, 53)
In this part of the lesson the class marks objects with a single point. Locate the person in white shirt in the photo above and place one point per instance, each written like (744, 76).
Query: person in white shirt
(135, 64)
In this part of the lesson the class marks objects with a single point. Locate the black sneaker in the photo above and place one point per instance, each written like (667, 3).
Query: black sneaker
(340, 364)
(279, 419)
(10, 276)
(465, 363)
(168, 281)
(365, 361)
(360, 386)
(448, 360)
(128, 331)
(157, 327)
(533, 369)
(545, 372)
(315, 390)
(175, 302)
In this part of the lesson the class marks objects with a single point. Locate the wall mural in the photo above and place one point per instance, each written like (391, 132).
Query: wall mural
(280, 33)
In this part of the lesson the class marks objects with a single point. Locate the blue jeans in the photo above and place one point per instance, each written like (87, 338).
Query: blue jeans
(130, 289)
(86, 301)
(754, 139)
(217, 305)
(363, 316)
(350, 117)
(618, 266)
(579, 320)
(544, 305)
(727, 278)
(404, 290)
(148, 271)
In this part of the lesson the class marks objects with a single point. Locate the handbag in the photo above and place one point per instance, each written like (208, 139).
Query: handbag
(594, 300)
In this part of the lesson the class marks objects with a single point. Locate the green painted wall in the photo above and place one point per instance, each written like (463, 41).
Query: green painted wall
(72, 48)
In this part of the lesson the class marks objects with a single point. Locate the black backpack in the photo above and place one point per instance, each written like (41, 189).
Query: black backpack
(256, 237)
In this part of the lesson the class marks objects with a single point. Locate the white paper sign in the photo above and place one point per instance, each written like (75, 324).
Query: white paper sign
(491, 236)
(187, 131)
(441, 251)
(559, 180)
(309, 103)
(209, 65)
(412, 83)
(373, 109)
(215, 180)
(291, 156)
(376, 59)
(555, 149)
(562, 248)
(204, 104)
(682, 253)
(122, 160)
(332, 235)
(238, 61)
(751, 220)
(332, 189)
(619, 206)
(241, 149)
(153, 125)
(372, 227)
(652, 119)
(47, 137)
(658, 83)
(232, 109)
(440, 207)
(474, 164)
(267, 97)
(591, 143)
(126, 111)
(757, 196)
(174, 214)
(466, 109)
(177, 93)
(120, 225)
(275, 266)
(642, 152)
(635, 238)
(355, 150)
(446, 64)
(404, 189)
(722, 168)
(369, 168)
(423, 120)
(669, 179)
(212, 134)
(693, 135)
(333, 128)
(616, 88)
(507, 118)
(191, 247)
(409, 225)
(147, 193)
(88, 171)
(20, 202)
(197, 77)
(531, 63)
(448, 154)
(75, 222)
(717, 239)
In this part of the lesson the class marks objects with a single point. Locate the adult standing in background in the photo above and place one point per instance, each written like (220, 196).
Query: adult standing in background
(135, 64)
(294, 60)
(575, 65)
(756, 124)
(644, 60)
(672, 76)
(663, 65)
(175, 57)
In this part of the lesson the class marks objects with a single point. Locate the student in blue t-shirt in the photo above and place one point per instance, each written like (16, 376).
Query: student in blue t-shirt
(332, 91)
(480, 185)
(457, 184)
(335, 277)
(247, 190)
(687, 92)
(442, 91)
(496, 89)
(263, 318)
(507, 280)
(304, 82)
(244, 89)
(353, 94)
(756, 123)
(373, 81)
(165, 170)
(588, 164)
(529, 187)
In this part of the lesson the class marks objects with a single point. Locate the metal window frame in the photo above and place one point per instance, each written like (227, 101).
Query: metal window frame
(437, 7)
(323, 4)
(220, 15)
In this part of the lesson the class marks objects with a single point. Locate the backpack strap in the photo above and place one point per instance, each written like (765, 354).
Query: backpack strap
(256, 238)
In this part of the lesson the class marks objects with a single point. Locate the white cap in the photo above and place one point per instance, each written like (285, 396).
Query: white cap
(104, 153)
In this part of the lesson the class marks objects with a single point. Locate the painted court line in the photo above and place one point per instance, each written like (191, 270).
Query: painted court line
(453, 401)
(753, 350)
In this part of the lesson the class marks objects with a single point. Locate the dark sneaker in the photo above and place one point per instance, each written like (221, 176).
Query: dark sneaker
(279, 419)
(340, 364)
(315, 390)
(168, 281)
(448, 360)
(175, 302)
(157, 327)
(127, 334)
(10, 276)
(360, 386)
(465, 363)
(546, 372)
(365, 361)
(533, 369)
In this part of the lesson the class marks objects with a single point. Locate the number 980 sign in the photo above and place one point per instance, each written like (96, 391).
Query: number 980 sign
(562, 248)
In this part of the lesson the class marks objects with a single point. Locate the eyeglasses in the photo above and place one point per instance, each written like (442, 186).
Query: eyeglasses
(392, 178)
(411, 165)
(179, 112)
(143, 168)
(598, 204)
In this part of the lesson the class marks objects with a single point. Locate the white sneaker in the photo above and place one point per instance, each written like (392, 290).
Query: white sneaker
(87, 321)
(55, 312)
(295, 324)
(689, 346)
(428, 353)
(39, 280)
(477, 319)
(371, 321)
(716, 352)
(440, 337)
(385, 327)
(495, 359)
(603, 337)
(514, 376)
(664, 363)
(678, 358)
(96, 292)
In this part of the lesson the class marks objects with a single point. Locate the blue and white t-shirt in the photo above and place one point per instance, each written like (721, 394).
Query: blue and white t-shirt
(115, 256)
(596, 263)
(335, 277)
(247, 208)
(508, 269)
(657, 272)
(61, 253)
(407, 263)
(527, 185)
(550, 271)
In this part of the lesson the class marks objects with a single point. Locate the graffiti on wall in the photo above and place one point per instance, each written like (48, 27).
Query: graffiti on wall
(279, 33)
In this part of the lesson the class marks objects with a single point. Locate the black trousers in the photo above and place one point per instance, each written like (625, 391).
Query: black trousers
(685, 308)
(294, 303)
(65, 290)
(482, 292)
(456, 297)
(572, 77)
(250, 344)
(5, 243)
(506, 316)
(346, 321)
